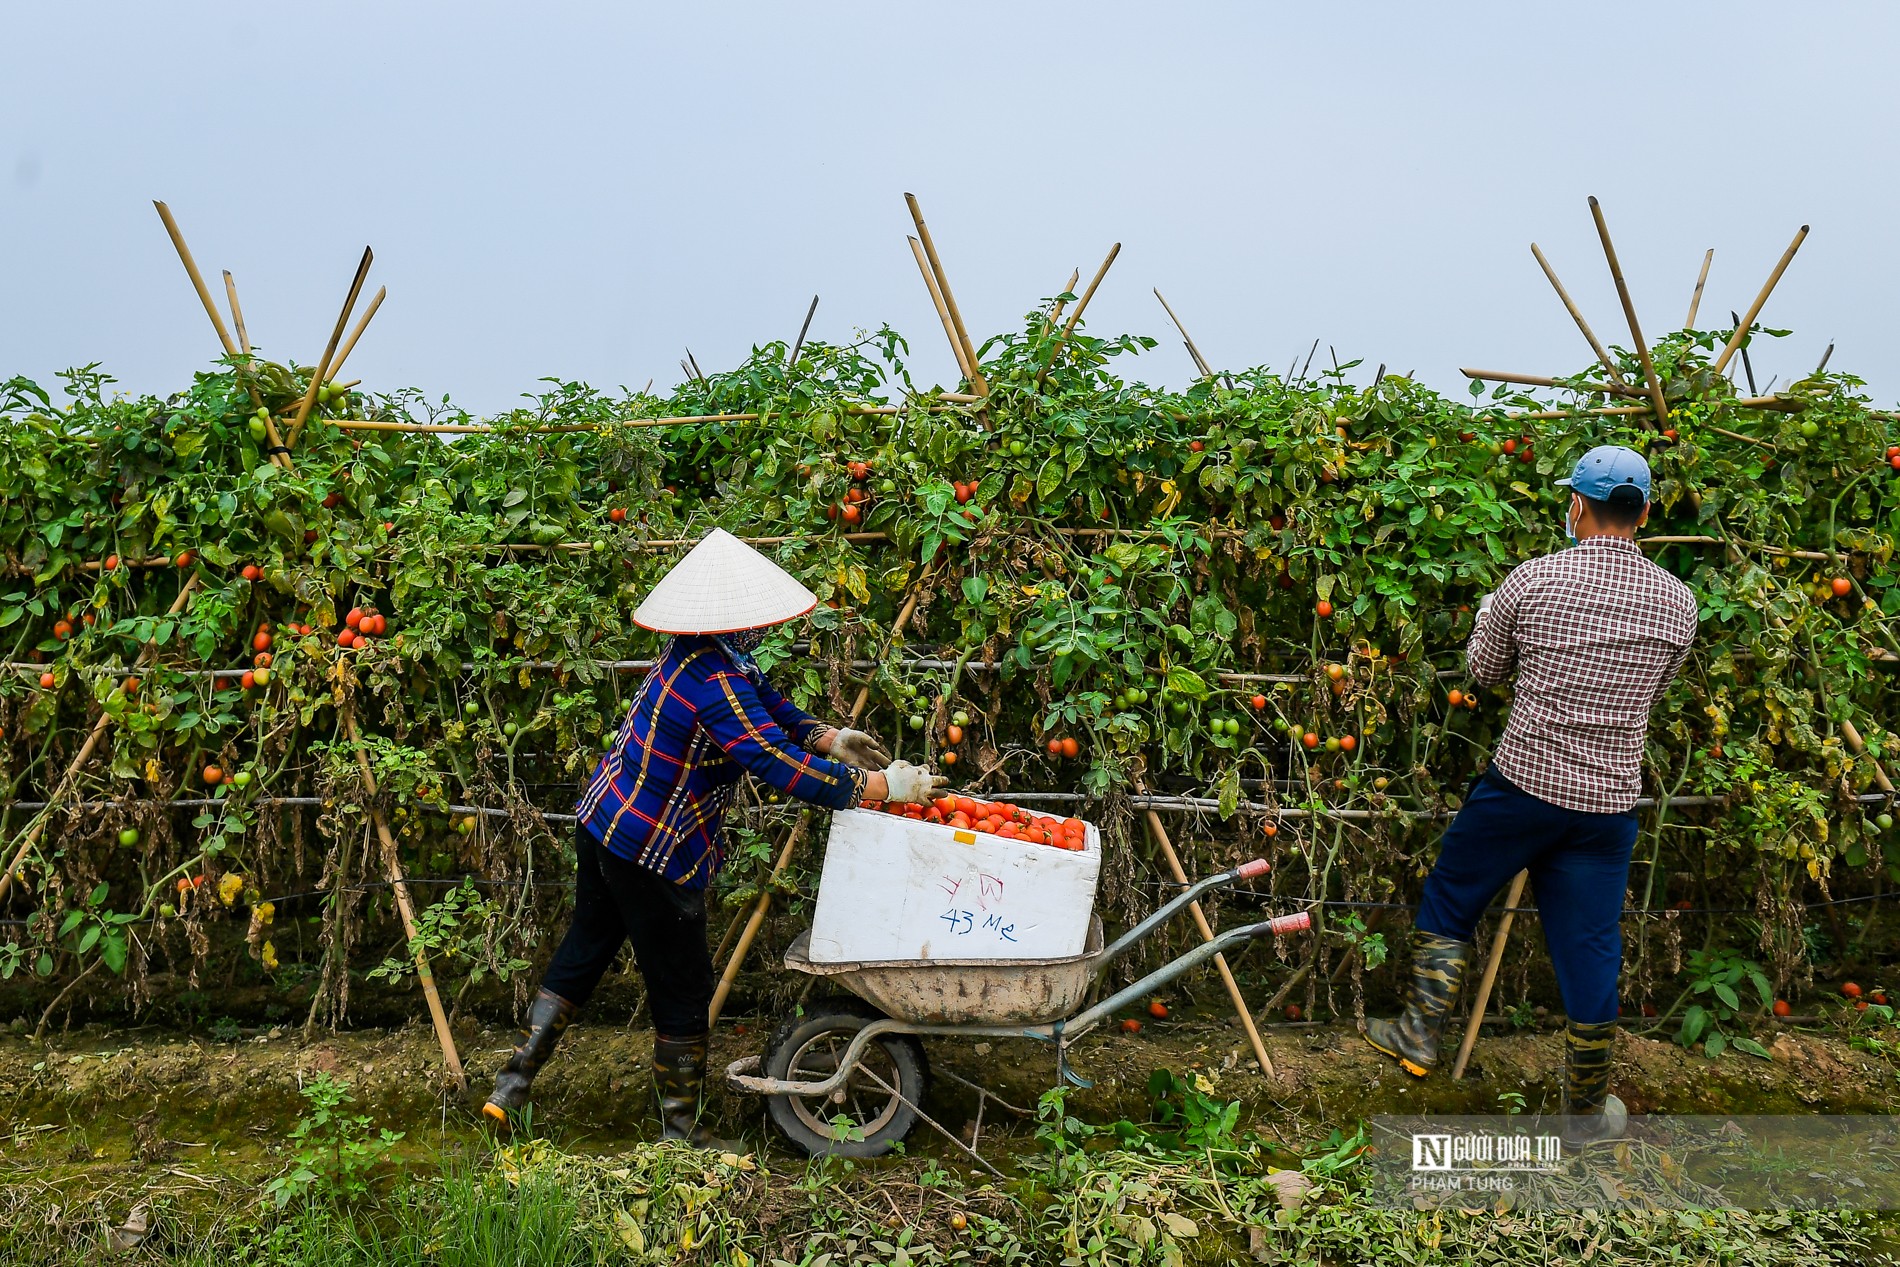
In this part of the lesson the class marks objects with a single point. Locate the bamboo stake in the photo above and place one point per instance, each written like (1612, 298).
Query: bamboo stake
(1200, 361)
(1482, 998)
(1532, 380)
(949, 298)
(792, 841)
(1629, 312)
(943, 311)
(278, 455)
(217, 322)
(86, 749)
(1748, 367)
(197, 278)
(1603, 356)
(1160, 834)
(800, 345)
(693, 364)
(237, 313)
(392, 863)
(1081, 306)
(1747, 323)
(1695, 300)
(322, 370)
(1825, 357)
(362, 324)
(1055, 310)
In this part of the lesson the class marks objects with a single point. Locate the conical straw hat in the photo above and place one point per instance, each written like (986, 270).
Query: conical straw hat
(723, 585)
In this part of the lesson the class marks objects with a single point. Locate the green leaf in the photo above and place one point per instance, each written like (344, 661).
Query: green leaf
(1727, 994)
(1185, 681)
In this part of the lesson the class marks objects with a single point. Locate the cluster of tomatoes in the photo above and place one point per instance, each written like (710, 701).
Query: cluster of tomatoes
(852, 508)
(1066, 746)
(1011, 822)
(361, 626)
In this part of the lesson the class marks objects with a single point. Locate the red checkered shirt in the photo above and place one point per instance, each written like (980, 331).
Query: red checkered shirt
(1595, 634)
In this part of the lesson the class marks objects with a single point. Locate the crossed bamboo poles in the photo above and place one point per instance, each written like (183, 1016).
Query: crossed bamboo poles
(1658, 408)
(238, 351)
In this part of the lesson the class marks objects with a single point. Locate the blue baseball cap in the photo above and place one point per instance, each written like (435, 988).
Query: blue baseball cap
(1604, 470)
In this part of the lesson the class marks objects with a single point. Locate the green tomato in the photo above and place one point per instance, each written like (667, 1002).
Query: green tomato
(258, 429)
(242, 778)
(1017, 448)
(916, 721)
(1883, 821)
(1810, 429)
(1178, 709)
(262, 414)
(128, 837)
(167, 911)
(509, 729)
(598, 547)
(887, 487)
(1332, 745)
(1216, 729)
(960, 718)
(472, 709)
(261, 677)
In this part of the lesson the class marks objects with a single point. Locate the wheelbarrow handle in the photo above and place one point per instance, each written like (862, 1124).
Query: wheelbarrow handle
(1276, 927)
(1245, 871)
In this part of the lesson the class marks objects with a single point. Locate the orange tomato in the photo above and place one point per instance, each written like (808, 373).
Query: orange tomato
(1325, 609)
(1070, 747)
(953, 733)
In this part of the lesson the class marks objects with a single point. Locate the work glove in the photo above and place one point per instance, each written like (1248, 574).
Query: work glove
(912, 783)
(855, 747)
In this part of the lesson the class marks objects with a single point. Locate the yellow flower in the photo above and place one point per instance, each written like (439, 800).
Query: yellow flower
(229, 888)
(269, 956)
(265, 912)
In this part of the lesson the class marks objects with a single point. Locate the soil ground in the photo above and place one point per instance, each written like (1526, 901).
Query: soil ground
(103, 1112)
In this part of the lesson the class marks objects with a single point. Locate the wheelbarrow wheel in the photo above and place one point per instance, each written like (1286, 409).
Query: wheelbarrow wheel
(860, 1118)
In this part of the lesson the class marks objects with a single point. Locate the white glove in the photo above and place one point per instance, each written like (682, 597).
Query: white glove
(855, 747)
(913, 783)
(1485, 603)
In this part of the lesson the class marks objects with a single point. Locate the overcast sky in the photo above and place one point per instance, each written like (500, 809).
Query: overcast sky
(584, 190)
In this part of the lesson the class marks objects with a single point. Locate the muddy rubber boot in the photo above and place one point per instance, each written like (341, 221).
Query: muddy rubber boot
(1591, 1114)
(1438, 975)
(548, 1017)
(679, 1082)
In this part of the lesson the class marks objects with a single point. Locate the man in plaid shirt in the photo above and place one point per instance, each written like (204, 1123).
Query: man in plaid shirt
(1594, 635)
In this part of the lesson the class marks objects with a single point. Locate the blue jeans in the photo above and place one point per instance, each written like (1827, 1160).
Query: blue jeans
(1579, 865)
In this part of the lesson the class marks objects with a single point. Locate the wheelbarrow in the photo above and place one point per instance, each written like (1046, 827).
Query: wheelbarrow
(847, 1076)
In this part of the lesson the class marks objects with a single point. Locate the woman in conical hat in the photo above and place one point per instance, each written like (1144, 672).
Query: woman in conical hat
(648, 839)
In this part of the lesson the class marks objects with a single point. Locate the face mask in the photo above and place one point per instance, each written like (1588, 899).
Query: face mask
(745, 641)
(1570, 520)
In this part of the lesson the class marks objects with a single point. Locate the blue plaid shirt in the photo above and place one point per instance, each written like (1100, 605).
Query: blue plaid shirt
(659, 796)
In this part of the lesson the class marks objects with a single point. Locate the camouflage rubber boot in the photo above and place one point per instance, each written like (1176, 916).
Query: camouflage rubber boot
(1438, 974)
(679, 1082)
(548, 1017)
(1591, 1113)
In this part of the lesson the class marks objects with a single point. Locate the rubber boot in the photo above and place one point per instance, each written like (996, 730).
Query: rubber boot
(548, 1017)
(1438, 975)
(679, 1083)
(1591, 1113)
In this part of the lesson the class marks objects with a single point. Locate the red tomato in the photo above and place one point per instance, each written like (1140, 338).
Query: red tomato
(1850, 989)
(355, 617)
(1070, 747)
(1325, 609)
(1347, 743)
(346, 639)
(953, 733)
(1842, 587)
(261, 642)
(1782, 1008)
(47, 681)
(1158, 1010)
(1055, 747)
(1259, 703)
(248, 681)
(1310, 739)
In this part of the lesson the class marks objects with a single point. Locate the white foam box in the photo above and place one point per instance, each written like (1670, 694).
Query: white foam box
(893, 888)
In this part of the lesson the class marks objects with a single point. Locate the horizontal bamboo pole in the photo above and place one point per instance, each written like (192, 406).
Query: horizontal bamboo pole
(1532, 380)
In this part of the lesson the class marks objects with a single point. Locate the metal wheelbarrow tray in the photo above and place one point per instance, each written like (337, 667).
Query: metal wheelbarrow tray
(817, 1072)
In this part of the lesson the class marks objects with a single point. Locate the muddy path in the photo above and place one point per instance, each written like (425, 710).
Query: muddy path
(104, 1098)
